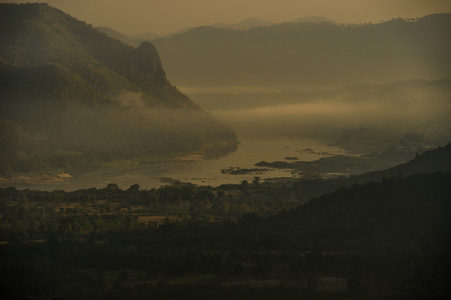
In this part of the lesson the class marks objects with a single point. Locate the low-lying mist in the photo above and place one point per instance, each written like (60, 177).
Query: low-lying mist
(127, 128)
(393, 110)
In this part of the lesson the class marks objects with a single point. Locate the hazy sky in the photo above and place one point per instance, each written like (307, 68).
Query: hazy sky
(167, 16)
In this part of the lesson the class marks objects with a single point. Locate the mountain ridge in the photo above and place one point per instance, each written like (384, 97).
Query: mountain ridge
(310, 55)
(246, 24)
(60, 37)
(68, 88)
(313, 19)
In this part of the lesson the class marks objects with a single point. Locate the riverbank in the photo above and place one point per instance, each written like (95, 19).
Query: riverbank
(54, 177)
(34, 178)
(199, 169)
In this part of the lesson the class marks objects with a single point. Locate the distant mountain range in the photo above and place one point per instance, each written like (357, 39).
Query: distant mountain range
(70, 93)
(256, 22)
(245, 24)
(310, 55)
(313, 19)
(132, 40)
(137, 39)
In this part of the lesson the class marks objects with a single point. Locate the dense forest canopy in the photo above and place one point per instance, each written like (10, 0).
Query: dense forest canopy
(71, 94)
(387, 238)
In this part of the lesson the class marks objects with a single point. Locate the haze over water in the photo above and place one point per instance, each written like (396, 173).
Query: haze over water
(270, 122)
(197, 171)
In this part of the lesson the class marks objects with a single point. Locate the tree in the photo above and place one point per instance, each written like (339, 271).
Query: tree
(256, 180)
(134, 188)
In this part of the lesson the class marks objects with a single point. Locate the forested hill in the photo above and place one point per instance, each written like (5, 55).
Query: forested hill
(71, 94)
(41, 42)
(434, 160)
(406, 214)
(310, 55)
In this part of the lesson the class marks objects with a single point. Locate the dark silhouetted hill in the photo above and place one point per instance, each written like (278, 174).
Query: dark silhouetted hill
(404, 214)
(408, 213)
(438, 159)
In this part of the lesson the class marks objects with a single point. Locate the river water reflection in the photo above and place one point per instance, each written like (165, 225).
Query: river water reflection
(199, 171)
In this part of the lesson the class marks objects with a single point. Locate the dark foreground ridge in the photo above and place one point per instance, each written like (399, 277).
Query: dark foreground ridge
(385, 239)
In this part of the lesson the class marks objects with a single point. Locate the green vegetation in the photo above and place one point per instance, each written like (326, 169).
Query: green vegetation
(384, 239)
(365, 167)
(71, 95)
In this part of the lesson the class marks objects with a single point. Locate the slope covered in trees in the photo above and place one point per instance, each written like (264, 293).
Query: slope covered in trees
(383, 240)
(431, 161)
(310, 55)
(68, 89)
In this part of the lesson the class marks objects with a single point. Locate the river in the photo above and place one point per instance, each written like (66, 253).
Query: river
(197, 171)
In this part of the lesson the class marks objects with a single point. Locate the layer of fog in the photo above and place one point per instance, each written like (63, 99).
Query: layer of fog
(127, 128)
(393, 110)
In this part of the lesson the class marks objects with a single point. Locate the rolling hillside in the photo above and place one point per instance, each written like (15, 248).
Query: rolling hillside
(70, 94)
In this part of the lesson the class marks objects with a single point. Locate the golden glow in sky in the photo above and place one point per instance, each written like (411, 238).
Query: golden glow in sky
(168, 16)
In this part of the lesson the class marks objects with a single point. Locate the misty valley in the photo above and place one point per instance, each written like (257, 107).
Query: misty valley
(302, 160)
(297, 135)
